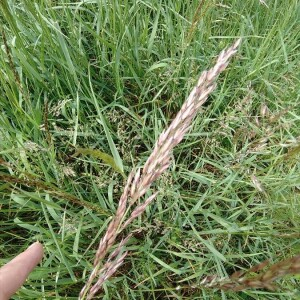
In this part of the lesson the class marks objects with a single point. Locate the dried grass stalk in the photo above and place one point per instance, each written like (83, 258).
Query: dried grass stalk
(243, 280)
(138, 183)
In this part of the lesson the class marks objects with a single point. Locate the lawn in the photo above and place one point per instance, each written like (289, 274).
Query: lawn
(86, 89)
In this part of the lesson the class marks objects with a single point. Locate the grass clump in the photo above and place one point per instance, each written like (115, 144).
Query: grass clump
(109, 76)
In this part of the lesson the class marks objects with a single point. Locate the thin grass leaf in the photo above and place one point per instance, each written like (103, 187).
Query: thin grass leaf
(64, 260)
(109, 160)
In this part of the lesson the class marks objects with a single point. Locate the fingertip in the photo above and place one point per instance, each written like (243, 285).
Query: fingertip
(36, 250)
(15, 272)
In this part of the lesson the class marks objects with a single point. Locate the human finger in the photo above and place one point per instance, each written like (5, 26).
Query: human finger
(15, 272)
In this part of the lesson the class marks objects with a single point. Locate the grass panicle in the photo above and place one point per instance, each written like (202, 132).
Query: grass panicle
(243, 280)
(157, 163)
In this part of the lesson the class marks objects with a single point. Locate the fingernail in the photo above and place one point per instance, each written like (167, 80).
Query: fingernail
(37, 242)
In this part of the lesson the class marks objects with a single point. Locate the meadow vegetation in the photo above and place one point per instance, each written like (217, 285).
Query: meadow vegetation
(86, 88)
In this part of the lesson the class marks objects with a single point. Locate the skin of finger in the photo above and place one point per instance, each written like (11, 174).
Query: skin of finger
(14, 273)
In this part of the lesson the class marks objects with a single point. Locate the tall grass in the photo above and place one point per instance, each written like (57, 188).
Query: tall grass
(109, 76)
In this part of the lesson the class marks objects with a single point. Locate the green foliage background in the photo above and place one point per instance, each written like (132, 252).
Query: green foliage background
(109, 76)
